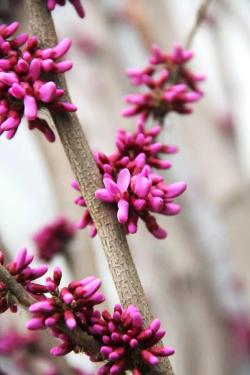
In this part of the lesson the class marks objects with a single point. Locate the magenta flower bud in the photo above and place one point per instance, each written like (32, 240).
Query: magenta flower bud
(133, 343)
(35, 68)
(159, 233)
(61, 48)
(162, 351)
(51, 285)
(117, 354)
(91, 288)
(21, 258)
(17, 91)
(39, 271)
(142, 186)
(155, 325)
(122, 213)
(174, 190)
(69, 319)
(5, 64)
(8, 78)
(47, 92)
(63, 66)
(106, 350)
(43, 306)
(35, 323)
(60, 350)
(30, 107)
(57, 275)
(149, 358)
(171, 209)
(67, 298)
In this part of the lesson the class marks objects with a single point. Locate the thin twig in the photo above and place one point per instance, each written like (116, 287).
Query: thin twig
(78, 337)
(80, 157)
(200, 16)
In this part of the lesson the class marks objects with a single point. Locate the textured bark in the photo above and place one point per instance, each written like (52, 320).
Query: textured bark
(112, 236)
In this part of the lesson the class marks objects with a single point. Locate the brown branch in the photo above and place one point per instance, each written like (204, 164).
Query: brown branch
(80, 157)
(200, 16)
(78, 337)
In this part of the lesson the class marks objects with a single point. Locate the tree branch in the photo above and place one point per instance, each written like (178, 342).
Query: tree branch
(200, 16)
(80, 157)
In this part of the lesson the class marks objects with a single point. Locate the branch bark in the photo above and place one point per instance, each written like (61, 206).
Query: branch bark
(80, 157)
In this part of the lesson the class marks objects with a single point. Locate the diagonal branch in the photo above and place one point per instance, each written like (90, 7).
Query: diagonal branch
(80, 157)
(200, 16)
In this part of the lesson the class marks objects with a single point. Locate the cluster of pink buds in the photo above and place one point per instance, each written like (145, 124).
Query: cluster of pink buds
(128, 178)
(142, 141)
(130, 183)
(51, 4)
(54, 238)
(126, 344)
(171, 86)
(72, 305)
(25, 275)
(139, 194)
(27, 84)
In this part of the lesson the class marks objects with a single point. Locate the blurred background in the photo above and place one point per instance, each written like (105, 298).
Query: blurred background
(197, 280)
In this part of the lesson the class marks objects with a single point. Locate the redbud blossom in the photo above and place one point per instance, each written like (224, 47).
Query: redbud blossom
(20, 269)
(126, 344)
(171, 86)
(27, 84)
(72, 305)
(54, 238)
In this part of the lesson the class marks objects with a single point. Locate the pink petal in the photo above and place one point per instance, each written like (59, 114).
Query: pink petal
(142, 186)
(47, 92)
(123, 180)
(30, 107)
(111, 187)
(174, 190)
(104, 195)
(122, 213)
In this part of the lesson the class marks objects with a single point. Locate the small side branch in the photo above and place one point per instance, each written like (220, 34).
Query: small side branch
(200, 16)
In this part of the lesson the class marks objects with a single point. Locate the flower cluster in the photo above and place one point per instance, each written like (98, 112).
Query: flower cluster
(131, 184)
(27, 84)
(51, 4)
(54, 238)
(71, 306)
(138, 195)
(25, 275)
(171, 86)
(126, 344)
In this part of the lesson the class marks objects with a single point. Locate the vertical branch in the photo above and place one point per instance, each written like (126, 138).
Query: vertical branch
(80, 157)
